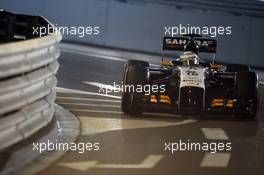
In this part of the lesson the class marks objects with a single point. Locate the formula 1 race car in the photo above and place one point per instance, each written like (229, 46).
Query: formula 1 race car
(189, 84)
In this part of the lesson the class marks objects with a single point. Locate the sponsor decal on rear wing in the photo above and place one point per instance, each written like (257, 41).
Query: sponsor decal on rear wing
(178, 43)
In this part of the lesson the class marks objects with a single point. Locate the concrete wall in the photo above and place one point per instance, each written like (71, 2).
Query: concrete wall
(141, 27)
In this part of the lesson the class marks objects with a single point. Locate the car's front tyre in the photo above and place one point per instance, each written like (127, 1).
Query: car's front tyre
(246, 94)
(135, 73)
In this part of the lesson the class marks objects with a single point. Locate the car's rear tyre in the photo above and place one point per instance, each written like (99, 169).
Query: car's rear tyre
(246, 94)
(135, 73)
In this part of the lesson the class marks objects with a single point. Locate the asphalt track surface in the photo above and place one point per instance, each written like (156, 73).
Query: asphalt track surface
(136, 145)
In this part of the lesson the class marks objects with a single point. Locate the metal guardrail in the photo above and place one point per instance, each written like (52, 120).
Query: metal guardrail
(27, 78)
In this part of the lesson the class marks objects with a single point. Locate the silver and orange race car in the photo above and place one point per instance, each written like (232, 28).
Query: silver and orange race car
(188, 83)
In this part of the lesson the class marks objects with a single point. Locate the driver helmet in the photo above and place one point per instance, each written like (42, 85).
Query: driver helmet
(189, 59)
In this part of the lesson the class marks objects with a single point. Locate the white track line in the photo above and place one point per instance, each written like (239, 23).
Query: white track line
(119, 112)
(74, 91)
(83, 51)
(91, 105)
(93, 55)
(149, 162)
(95, 111)
(217, 160)
(104, 86)
(94, 125)
(215, 134)
(88, 99)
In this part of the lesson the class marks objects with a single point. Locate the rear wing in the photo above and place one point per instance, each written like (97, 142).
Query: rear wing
(178, 43)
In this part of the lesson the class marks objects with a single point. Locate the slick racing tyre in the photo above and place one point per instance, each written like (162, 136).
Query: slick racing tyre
(246, 94)
(135, 74)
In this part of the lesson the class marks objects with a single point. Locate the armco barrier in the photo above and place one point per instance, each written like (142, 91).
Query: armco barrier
(27, 77)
